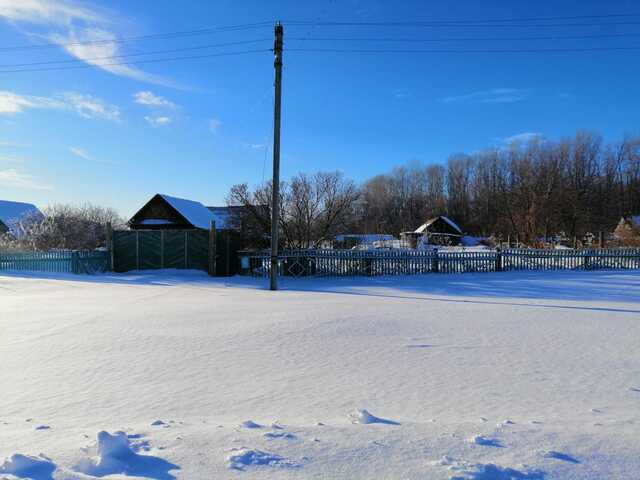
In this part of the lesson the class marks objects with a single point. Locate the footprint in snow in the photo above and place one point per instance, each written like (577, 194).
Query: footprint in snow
(160, 423)
(363, 417)
(560, 456)
(596, 410)
(250, 424)
(43, 427)
(280, 435)
(634, 389)
(486, 441)
(245, 457)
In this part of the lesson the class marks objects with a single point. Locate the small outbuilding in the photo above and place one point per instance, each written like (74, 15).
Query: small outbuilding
(439, 230)
(14, 215)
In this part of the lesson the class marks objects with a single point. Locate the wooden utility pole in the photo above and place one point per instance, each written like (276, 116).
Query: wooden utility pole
(275, 201)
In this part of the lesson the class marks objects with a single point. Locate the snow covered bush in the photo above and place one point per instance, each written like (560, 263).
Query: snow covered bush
(67, 227)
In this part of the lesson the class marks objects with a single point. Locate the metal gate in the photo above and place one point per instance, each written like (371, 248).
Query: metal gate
(209, 250)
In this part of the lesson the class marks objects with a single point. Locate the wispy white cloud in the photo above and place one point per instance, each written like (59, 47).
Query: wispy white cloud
(255, 146)
(11, 178)
(14, 144)
(496, 95)
(10, 159)
(11, 102)
(59, 12)
(215, 124)
(87, 106)
(81, 152)
(150, 99)
(71, 26)
(401, 94)
(158, 121)
(523, 137)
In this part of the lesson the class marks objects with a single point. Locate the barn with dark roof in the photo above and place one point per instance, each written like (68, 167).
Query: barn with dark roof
(165, 212)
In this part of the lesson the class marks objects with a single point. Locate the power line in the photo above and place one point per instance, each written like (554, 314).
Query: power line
(154, 60)
(157, 36)
(454, 24)
(521, 50)
(155, 52)
(462, 39)
(513, 19)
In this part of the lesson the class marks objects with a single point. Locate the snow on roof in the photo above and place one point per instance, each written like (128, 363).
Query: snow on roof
(195, 212)
(422, 228)
(12, 213)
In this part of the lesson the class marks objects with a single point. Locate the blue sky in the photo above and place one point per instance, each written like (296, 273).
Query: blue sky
(116, 134)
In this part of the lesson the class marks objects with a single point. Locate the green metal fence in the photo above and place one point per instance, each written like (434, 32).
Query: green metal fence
(214, 251)
(344, 263)
(56, 261)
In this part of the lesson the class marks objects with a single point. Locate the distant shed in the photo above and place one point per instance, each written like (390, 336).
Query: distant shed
(439, 230)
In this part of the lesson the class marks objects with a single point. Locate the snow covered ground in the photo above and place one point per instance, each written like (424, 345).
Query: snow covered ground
(176, 375)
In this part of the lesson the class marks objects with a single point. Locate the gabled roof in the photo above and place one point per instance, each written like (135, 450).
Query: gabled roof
(12, 213)
(422, 228)
(194, 212)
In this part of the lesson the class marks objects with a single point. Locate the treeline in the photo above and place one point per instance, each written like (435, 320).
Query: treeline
(526, 190)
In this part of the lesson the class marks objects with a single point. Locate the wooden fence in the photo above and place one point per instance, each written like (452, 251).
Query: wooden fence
(56, 261)
(344, 263)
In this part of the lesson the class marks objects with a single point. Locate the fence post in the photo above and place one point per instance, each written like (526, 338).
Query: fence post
(75, 262)
(161, 248)
(587, 260)
(498, 259)
(227, 252)
(186, 249)
(212, 248)
(436, 263)
(137, 249)
(109, 241)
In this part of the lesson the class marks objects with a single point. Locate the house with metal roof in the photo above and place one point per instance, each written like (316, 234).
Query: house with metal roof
(13, 216)
(165, 212)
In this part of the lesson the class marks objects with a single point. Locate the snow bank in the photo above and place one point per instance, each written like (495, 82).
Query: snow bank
(363, 417)
(490, 471)
(246, 457)
(116, 455)
(554, 352)
(25, 466)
